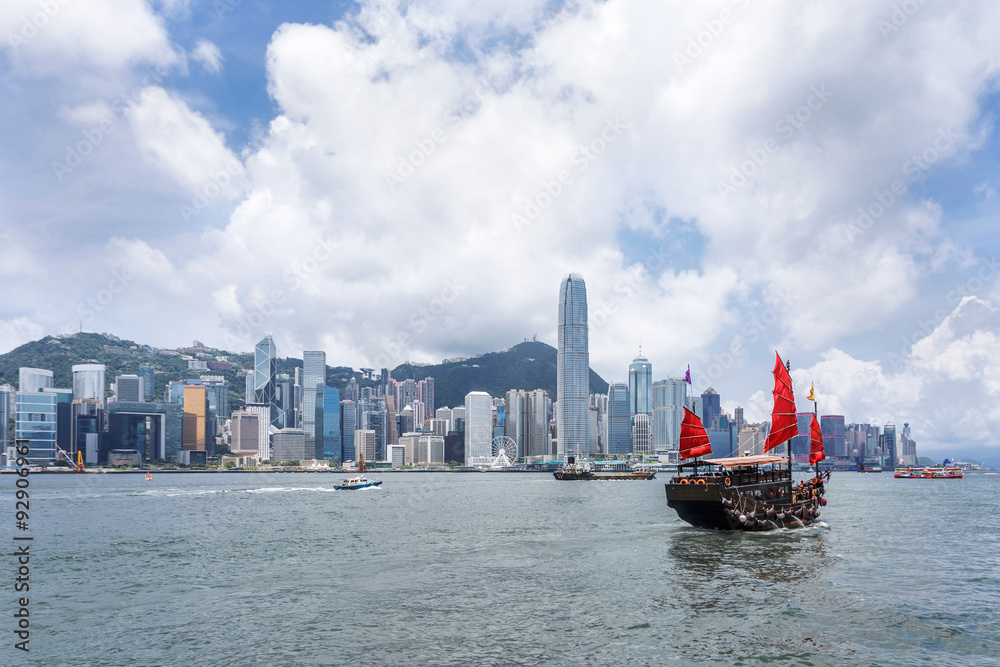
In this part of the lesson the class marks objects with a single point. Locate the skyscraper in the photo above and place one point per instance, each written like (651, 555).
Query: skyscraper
(195, 435)
(7, 399)
(425, 394)
(573, 368)
(313, 376)
(265, 356)
(348, 424)
(34, 379)
(641, 437)
(148, 374)
(478, 427)
(711, 407)
(619, 420)
(640, 386)
(88, 382)
(329, 443)
(669, 399)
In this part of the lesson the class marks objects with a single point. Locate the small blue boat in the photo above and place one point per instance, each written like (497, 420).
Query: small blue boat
(359, 482)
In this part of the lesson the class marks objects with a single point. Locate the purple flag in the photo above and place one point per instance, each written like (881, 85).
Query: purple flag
(687, 375)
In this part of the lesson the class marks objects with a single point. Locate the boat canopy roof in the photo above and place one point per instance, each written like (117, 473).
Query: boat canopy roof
(743, 461)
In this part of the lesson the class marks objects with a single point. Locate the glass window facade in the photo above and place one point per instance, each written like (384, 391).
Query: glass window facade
(573, 369)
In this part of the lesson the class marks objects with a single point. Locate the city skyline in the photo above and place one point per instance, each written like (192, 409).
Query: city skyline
(205, 176)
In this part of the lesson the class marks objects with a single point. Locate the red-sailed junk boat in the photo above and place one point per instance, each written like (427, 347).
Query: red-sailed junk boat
(749, 492)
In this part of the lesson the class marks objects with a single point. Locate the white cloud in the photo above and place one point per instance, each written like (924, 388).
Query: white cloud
(208, 55)
(183, 144)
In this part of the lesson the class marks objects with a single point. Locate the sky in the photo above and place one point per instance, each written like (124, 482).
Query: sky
(394, 181)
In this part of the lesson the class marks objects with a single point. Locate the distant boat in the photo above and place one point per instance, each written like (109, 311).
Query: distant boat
(149, 477)
(584, 471)
(749, 492)
(929, 473)
(359, 481)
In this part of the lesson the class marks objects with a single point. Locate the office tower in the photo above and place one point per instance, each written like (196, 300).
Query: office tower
(148, 375)
(34, 379)
(36, 417)
(329, 442)
(445, 414)
(834, 443)
(437, 427)
(640, 386)
(8, 397)
(195, 418)
(289, 444)
(392, 426)
(218, 399)
(595, 431)
(313, 376)
(265, 388)
(642, 440)
(619, 421)
(86, 425)
(248, 392)
(599, 402)
(286, 403)
(458, 419)
(406, 423)
(738, 420)
(573, 368)
(889, 454)
(408, 441)
(364, 443)
(478, 427)
(348, 425)
(263, 413)
(516, 425)
(801, 443)
(711, 407)
(352, 392)
(155, 430)
(88, 382)
(425, 394)
(430, 450)
(245, 440)
(127, 388)
(669, 399)
(527, 422)
(384, 381)
(372, 417)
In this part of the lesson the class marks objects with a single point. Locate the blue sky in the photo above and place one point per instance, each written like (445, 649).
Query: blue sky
(410, 181)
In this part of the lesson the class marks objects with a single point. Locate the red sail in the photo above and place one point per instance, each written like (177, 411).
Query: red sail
(816, 453)
(784, 425)
(694, 440)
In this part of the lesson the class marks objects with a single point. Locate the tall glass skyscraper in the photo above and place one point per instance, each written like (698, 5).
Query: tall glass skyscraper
(328, 441)
(148, 374)
(313, 375)
(573, 369)
(619, 420)
(265, 356)
(640, 386)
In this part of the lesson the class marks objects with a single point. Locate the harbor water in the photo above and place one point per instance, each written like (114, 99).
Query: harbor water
(497, 569)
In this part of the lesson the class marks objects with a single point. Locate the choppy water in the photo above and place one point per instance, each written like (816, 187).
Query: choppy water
(456, 569)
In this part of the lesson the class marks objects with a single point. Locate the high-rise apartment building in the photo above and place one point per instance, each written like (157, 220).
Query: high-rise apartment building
(573, 368)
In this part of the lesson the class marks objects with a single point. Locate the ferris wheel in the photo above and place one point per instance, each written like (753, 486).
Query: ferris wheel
(503, 450)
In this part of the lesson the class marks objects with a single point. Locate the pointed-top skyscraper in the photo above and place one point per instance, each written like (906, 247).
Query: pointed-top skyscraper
(265, 355)
(573, 369)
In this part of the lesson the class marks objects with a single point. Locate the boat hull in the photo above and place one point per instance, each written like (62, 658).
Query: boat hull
(567, 475)
(354, 487)
(719, 507)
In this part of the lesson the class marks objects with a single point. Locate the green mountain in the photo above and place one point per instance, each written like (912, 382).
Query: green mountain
(529, 365)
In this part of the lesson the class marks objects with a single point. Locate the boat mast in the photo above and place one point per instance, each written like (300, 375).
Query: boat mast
(788, 367)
